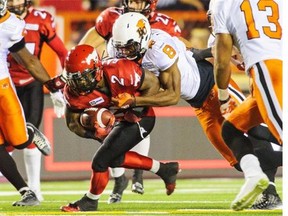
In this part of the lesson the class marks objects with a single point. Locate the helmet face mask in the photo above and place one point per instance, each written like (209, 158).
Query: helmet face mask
(18, 9)
(82, 82)
(83, 69)
(131, 34)
(145, 7)
(130, 51)
(3, 7)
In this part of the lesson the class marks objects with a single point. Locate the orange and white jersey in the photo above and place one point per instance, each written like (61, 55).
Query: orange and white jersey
(164, 52)
(11, 32)
(255, 26)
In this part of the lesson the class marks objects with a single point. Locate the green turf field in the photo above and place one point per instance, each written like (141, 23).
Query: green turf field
(192, 197)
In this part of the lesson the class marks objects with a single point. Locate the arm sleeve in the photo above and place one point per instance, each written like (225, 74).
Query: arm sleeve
(58, 47)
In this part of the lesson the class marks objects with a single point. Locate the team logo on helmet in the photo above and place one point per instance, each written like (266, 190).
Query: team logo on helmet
(141, 27)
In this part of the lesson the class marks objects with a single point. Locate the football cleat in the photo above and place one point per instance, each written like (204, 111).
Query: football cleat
(84, 204)
(137, 187)
(168, 172)
(249, 192)
(137, 182)
(267, 201)
(120, 185)
(39, 139)
(28, 199)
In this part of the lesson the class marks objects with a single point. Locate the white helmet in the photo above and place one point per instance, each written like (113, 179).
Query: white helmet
(3, 7)
(130, 35)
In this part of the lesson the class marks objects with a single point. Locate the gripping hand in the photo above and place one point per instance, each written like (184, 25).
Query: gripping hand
(101, 132)
(124, 100)
(227, 106)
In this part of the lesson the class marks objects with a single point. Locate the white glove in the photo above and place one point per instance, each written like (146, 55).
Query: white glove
(59, 103)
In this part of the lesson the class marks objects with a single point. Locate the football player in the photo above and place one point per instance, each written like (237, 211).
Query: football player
(14, 130)
(92, 83)
(179, 75)
(255, 29)
(269, 199)
(40, 28)
(101, 33)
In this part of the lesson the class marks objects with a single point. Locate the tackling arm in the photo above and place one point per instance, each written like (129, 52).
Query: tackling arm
(73, 123)
(150, 85)
(92, 38)
(170, 81)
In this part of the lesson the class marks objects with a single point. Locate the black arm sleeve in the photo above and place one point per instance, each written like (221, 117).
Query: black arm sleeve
(18, 46)
(200, 54)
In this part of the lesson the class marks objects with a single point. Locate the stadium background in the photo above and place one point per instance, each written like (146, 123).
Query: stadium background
(177, 134)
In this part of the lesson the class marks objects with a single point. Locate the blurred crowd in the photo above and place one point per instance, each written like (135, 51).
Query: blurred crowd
(199, 5)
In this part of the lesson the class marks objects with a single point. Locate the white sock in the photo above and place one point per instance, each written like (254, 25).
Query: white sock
(117, 172)
(143, 146)
(92, 196)
(32, 159)
(250, 165)
(155, 166)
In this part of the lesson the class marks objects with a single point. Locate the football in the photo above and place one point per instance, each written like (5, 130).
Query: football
(90, 115)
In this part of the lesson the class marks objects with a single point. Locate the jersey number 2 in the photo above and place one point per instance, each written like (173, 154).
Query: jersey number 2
(273, 18)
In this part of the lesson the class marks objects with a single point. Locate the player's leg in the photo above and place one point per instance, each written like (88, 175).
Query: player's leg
(120, 184)
(14, 130)
(268, 92)
(270, 158)
(137, 178)
(113, 153)
(244, 117)
(211, 119)
(32, 100)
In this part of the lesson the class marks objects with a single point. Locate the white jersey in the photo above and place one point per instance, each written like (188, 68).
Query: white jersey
(159, 58)
(11, 32)
(255, 26)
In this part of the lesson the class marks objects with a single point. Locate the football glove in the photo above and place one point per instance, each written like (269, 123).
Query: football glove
(124, 100)
(58, 103)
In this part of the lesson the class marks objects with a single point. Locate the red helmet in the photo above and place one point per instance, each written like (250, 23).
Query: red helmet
(149, 7)
(83, 68)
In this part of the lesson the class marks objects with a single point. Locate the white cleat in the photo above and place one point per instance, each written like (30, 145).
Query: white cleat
(249, 192)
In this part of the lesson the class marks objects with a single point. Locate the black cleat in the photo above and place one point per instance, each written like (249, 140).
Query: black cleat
(28, 199)
(168, 172)
(268, 201)
(84, 204)
(120, 185)
(137, 182)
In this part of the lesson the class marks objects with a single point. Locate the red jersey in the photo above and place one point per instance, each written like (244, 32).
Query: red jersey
(107, 18)
(121, 75)
(40, 28)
